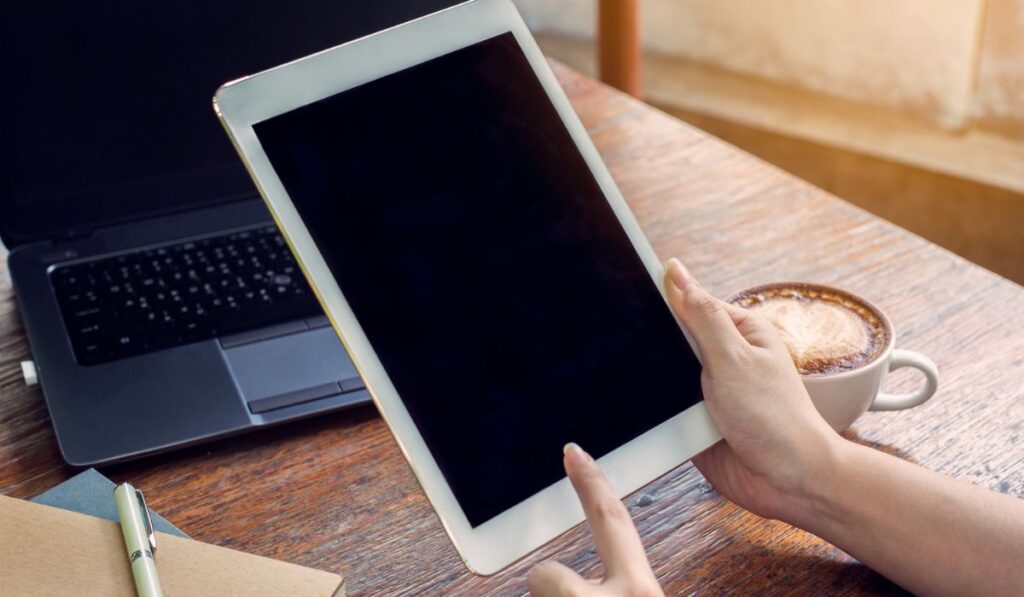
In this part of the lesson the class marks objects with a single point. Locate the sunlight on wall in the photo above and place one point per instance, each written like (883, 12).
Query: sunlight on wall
(914, 55)
(1000, 100)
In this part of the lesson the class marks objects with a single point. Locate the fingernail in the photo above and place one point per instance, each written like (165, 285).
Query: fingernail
(679, 275)
(575, 453)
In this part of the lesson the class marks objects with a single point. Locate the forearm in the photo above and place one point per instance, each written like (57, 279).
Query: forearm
(925, 531)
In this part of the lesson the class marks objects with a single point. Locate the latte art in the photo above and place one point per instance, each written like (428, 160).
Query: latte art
(825, 331)
(817, 332)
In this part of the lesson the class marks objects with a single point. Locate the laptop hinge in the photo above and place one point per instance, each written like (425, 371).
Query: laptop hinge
(58, 255)
(71, 236)
(62, 252)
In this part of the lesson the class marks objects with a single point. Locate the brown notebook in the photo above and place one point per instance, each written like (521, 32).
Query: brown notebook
(48, 551)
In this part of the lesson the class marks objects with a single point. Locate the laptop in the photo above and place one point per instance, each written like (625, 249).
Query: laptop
(162, 306)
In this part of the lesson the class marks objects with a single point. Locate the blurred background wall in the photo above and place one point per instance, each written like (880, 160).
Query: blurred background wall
(912, 109)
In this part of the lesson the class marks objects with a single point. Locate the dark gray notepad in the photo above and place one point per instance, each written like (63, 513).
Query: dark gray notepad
(89, 492)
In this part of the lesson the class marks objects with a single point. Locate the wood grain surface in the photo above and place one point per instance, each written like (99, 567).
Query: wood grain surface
(335, 493)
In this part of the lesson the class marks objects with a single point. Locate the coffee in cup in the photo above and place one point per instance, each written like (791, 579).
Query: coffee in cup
(826, 332)
(841, 344)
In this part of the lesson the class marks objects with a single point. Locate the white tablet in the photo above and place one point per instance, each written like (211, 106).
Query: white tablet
(480, 265)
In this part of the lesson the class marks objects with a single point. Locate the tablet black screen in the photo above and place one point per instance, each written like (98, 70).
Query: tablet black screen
(486, 267)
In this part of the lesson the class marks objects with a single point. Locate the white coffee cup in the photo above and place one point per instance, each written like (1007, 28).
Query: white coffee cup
(844, 396)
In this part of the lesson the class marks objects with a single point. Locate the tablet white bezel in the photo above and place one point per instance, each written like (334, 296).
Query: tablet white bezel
(245, 102)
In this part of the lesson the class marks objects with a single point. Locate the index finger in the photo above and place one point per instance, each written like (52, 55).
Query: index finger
(618, 543)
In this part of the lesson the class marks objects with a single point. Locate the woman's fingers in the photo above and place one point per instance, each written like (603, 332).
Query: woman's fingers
(551, 579)
(703, 315)
(627, 571)
(615, 536)
(755, 329)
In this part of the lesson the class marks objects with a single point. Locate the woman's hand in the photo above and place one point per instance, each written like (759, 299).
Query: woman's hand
(776, 444)
(627, 571)
(929, 533)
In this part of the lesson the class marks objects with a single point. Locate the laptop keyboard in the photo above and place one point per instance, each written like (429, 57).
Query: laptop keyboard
(157, 298)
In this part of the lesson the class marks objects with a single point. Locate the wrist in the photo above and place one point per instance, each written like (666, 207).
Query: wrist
(810, 502)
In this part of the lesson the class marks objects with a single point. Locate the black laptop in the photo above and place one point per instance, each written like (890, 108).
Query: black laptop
(162, 306)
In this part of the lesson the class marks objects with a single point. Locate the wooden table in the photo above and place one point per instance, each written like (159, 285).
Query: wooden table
(335, 493)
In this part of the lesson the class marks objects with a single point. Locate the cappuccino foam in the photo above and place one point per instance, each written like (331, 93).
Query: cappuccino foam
(824, 331)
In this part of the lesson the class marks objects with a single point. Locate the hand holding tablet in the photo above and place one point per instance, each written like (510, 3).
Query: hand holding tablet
(776, 442)
(481, 267)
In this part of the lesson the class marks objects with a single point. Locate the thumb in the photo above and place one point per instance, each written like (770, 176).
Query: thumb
(703, 315)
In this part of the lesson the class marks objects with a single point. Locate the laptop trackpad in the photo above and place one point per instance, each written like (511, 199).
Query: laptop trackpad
(293, 369)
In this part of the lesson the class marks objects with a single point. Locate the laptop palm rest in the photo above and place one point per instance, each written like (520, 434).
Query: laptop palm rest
(299, 370)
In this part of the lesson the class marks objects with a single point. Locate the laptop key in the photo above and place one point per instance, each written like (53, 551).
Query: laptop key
(195, 328)
(128, 344)
(92, 352)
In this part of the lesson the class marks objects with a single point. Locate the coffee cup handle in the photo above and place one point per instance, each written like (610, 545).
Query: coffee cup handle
(909, 358)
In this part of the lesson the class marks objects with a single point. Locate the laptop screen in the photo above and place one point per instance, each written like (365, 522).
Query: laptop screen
(106, 114)
(485, 266)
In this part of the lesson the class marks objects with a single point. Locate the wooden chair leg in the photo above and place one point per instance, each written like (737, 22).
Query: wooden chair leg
(618, 44)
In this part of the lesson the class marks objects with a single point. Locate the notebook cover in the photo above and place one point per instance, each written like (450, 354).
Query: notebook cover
(49, 551)
(89, 492)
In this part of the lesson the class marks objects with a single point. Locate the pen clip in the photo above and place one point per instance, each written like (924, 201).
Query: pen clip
(147, 521)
